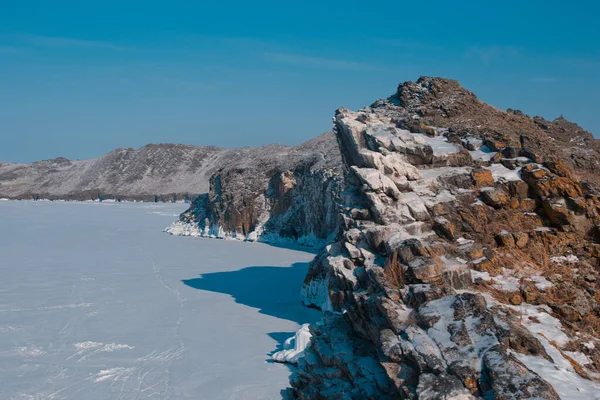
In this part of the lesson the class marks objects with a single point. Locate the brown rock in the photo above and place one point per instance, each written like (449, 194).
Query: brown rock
(496, 198)
(528, 205)
(484, 266)
(495, 145)
(444, 228)
(567, 312)
(505, 239)
(482, 177)
(521, 239)
(476, 253)
(529, 295)
(559, 168)
(470, 221)
(515, 299)
(557, 212)
(426, 269)
(518, 189)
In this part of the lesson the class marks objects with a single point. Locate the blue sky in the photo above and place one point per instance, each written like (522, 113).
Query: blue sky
(78, 79)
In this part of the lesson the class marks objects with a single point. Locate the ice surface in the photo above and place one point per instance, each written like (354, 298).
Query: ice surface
(97, 303)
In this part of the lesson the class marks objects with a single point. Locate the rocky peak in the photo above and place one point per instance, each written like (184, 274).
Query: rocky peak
(433, 97)
(466, 266)
(444, 103)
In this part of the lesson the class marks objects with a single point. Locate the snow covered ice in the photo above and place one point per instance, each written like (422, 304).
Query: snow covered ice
(97, 303)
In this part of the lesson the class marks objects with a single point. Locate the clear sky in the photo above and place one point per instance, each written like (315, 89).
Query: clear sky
(80, 78)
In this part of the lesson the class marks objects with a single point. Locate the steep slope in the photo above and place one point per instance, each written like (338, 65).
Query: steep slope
(271, 193)
(467, 265)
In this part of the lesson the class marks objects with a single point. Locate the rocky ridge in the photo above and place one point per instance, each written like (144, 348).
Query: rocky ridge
(467, 264)
(286, 194)
(158, 172)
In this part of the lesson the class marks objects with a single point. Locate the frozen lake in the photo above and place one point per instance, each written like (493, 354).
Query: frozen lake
(97, 303)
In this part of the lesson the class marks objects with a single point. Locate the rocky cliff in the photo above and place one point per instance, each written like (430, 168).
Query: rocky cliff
(467, 263)
(272, 193)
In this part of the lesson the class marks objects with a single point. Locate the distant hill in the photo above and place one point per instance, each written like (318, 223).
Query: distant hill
(154, 172)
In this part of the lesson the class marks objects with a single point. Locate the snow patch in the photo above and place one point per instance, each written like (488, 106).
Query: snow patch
(439, 144)
(560, 374)
(89, 348)
(30, 351)
(562, 259)
(114, 374)
(293, 348)
(500, 172)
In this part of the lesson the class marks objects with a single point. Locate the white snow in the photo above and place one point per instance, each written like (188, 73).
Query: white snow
(508, 280)
(180, 228)
(481, 152)
(293, 348)
(97, 303)
(439, 144)
(541, 282)
(539, 321)
(560, 374)
(562, 259)
(500, 173)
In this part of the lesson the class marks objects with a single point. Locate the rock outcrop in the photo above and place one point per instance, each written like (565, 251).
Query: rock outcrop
(278, 194)
(467, 264)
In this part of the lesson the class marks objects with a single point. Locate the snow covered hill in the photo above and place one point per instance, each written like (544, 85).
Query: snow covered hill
(156, 171)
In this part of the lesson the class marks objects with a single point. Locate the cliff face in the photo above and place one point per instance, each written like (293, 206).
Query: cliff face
(467, 265)
(272, 193)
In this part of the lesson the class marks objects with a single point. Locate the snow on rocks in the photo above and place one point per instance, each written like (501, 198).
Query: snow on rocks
(560, 374)
(392, 284)
(501, 173)
(377, 182)
(180, 228)
(293, 348)
(565, 259)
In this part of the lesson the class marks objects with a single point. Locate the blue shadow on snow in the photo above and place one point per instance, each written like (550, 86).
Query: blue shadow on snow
(274, 291)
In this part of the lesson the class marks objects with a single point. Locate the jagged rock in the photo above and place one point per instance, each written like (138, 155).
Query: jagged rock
(425, 270)
(408, 299)
(444, 228)
(494, 197)
(521, 239)
(377, 182)
(404, 314)
(263, 196)
(505, 239)
(511, 380)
